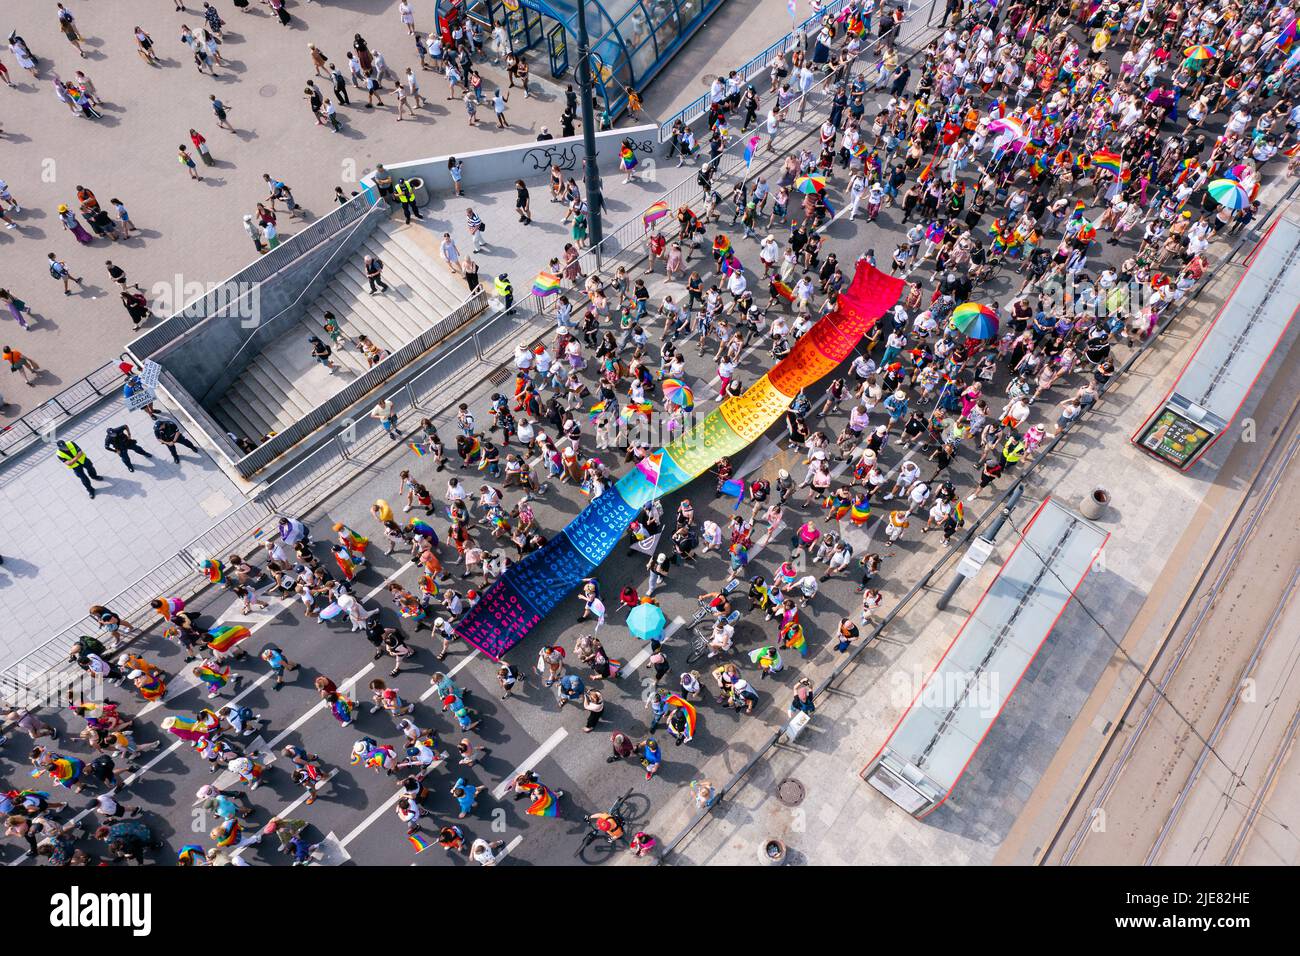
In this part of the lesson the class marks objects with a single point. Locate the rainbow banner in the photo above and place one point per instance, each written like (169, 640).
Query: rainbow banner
(673, 700)
(654, 213)
(546, 283)
(533, 587)
(419, 842)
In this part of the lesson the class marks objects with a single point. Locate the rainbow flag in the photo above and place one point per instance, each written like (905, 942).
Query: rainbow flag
(959, 513)
(783, 290)
(1111, 162)
(428, 585)
(341, 707)
(636, 408)
(1080, 208)
(627, 158)
(346, 564)
(418, 842)
(421, 527)
(546, 283)
(224, 637)
(672, 700)
(656, 212)
(595, 411)
(792, 635)
(750, 149)
(544, 803)
(860, 512)
(215, 679)
(1286, 37)
(731, 264)
(475, 446)
(354, 542)
(64, 770)
(191, 853)
(417, 448)
(212, 570)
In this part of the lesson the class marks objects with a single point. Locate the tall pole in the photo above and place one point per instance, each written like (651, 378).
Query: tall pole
(594, 204)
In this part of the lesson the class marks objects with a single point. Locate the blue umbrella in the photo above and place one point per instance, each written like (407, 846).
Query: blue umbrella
(646, 621)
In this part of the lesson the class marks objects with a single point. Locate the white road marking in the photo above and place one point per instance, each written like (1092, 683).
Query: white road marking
(549, 744)
(295, 804)
(642, 655)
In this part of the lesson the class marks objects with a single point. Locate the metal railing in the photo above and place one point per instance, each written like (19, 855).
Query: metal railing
(266, 326)
(41, 422)
(759, 64)
(354, 391)
(950, 555)
(238, 287)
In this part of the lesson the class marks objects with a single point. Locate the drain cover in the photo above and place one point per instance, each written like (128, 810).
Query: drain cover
(267, 91)
(790, 792)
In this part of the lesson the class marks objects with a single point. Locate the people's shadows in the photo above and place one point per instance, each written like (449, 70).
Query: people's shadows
(234, 66)
(213, 181)
(108, 120)
(17, 138)
(33, 212)
(146, 234)
(91, 290)
(222, 164)
(247, 135)
(46, 377)
(115, 487)
(17, 568)
(111, 107)
(166, 63)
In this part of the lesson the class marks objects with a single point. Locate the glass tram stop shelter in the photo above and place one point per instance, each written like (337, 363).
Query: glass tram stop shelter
(935, 740)
(1214, 384)
(631, 40)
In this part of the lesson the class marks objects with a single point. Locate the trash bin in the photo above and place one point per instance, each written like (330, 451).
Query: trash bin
(771, 852)
(421, 194)
(1095, 504)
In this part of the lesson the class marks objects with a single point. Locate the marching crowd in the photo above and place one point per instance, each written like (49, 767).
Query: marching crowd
(1054, 176)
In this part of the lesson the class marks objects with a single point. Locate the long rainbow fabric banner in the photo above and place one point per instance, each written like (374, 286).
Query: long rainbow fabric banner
(528, 591)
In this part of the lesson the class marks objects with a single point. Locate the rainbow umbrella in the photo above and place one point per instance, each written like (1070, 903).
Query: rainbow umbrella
(678, 393)
(1199, 52)
(1229, 193)
(810, 184)
(974, 320)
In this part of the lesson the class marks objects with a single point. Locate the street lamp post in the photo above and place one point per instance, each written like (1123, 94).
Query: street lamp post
(594, 203)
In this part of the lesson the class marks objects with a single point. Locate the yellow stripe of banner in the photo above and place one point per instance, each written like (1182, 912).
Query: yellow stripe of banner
(698, 450)
(752, 413)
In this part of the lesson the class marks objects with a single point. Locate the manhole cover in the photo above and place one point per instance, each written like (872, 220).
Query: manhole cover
(790, 792)
(267, 91)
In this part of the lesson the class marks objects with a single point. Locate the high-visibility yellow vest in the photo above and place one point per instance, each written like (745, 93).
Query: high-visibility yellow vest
(1013, 451)
(404, 192)
(502, 287)
(71, 455)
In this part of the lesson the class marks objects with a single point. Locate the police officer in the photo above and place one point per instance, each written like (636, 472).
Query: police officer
(119, 440)
(75, 459)
(405, 194)
(1013, 450)
(504, 291)
(168, 431)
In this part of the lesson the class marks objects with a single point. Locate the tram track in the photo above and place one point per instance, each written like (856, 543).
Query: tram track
(1118, 752)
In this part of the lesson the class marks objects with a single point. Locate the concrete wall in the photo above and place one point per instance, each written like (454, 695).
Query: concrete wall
(207, 360)
(529, 160)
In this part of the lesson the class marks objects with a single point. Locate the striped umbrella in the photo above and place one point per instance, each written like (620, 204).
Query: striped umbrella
(975, 320)
(1229, 193)
(810, 184)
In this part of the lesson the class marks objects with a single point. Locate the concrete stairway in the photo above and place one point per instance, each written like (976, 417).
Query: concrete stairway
(284, 382)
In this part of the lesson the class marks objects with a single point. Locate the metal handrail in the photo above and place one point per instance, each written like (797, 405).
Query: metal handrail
(995, 509)
(194, 313)
(310, 287)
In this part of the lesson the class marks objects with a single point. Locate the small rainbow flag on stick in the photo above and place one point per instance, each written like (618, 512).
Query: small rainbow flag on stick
(223, 638)
(546, 283)
(656, 212)
(595, 411)
(416, 447)
(419, 843)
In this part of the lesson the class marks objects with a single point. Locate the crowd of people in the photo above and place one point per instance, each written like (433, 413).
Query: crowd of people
(1044, 169)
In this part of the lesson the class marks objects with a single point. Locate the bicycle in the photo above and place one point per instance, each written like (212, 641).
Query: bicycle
(702, 636)
(594, 832)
